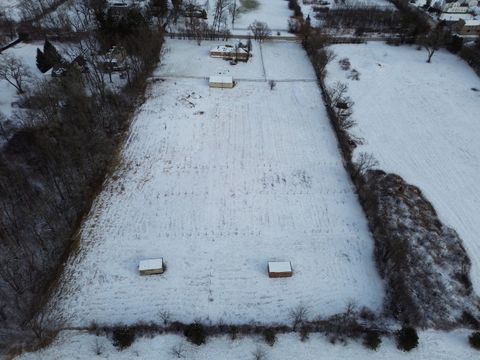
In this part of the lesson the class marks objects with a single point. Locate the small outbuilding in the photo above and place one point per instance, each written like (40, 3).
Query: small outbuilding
(279, 269)
(151, 266)
(224, 82)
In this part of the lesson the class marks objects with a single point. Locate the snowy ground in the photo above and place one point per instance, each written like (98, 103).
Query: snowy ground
(432, 345)
(218, 182)
(274, 12)
(10, 9)
(421, 121)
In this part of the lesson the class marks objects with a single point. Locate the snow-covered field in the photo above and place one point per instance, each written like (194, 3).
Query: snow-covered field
(274, 12)
(275, 61)
(432, 345)
(421, 121)
(218, 182)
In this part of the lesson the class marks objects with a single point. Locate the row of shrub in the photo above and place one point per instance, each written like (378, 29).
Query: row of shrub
(406, 338)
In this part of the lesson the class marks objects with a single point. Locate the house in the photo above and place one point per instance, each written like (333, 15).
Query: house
(115, 59)
(279, 269)
(455, 8)
(231, 52)
(451, 18)
(467, 27)
(151, 266)
(223, 82)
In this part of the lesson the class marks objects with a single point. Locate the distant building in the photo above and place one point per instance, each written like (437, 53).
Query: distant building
(279, 269)
(467, 27)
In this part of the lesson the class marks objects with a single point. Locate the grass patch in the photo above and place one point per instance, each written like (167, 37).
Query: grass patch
(248, 5)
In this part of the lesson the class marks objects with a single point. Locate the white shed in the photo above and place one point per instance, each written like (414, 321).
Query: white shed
(278, 269)
(151, 266)
(224, 82)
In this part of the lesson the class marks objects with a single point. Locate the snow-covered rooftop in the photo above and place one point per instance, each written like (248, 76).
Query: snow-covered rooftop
(221, 79)
(279, 266)
(150, 264)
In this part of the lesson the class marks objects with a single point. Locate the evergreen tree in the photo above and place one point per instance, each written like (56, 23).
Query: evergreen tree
(52, 57)
(42, 64)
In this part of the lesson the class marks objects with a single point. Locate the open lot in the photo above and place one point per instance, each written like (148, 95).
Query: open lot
(274, 12)
(218, 182)
(421, 121)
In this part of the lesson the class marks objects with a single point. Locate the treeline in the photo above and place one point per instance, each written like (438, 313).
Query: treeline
(363, 19)
(51, 169)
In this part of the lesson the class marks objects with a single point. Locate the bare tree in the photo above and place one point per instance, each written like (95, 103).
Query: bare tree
(272, 84)
(179, 350)
(219, 15)
(320, 59)
(260, 30)
(298, 315)
(259, 353)
(14, 71)
(342, 105)
(165, 316)
(364, 163)
(233, 10)
(432, 41)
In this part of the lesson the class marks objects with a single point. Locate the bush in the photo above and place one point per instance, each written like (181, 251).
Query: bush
(407, 338)
(372, 340)
(269, 336)
(123, 337)
(233, 331)
(195, 333)
(474, 340)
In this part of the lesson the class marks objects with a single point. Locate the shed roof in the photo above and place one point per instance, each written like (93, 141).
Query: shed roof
(221, 79)
(279, 266)
(150, 264)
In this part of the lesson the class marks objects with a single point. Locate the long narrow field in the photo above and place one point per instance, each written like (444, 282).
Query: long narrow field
(421, 121)
(218, 182)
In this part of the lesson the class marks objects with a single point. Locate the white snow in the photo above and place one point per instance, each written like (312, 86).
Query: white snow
(150, 264)
(75, 345)
(273, 12)
(220, 182)
(421, 121)
(279, 266)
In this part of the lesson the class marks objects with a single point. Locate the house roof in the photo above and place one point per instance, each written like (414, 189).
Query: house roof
(473, 22)
(228, 49)
(455, 17)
